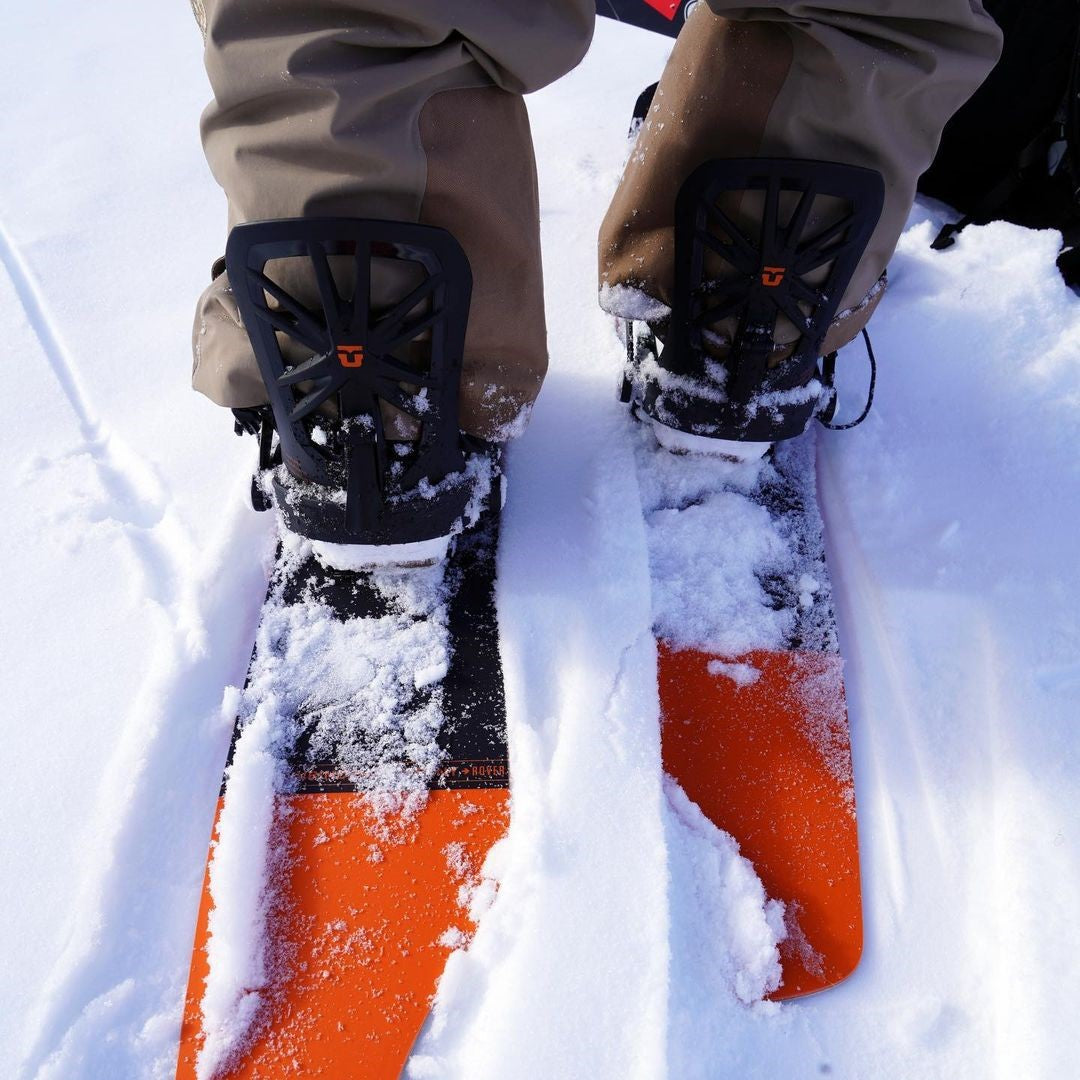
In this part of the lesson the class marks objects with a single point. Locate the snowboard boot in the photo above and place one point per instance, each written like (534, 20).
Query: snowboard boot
(360, 448)
(738, 366)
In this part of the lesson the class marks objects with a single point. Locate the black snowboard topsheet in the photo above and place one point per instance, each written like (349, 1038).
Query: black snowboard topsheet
(473, 735)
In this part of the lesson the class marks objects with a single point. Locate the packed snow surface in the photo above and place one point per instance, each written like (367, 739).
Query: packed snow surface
(627, 938)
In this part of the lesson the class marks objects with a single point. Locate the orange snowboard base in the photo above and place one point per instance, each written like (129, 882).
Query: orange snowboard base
(761, 744)
(364, 926)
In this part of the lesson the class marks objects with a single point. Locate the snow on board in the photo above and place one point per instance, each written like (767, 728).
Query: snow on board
(366, 783)
(755, 726)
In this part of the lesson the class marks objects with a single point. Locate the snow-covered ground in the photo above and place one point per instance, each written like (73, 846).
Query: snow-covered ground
(135, 572)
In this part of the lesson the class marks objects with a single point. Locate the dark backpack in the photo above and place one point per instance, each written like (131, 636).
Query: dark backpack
(1013, 151)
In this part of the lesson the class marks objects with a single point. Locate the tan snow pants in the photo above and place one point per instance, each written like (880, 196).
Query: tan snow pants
(412, 110)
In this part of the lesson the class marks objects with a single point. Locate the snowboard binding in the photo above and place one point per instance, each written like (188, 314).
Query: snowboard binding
(722, 370)
(335, 370)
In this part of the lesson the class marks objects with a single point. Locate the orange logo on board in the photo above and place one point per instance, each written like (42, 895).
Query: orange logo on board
(350, 355)
(771, 276)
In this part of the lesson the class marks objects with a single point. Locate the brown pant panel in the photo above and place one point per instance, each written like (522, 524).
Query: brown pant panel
(340, 107)
(713, 100)
(468, 134)
(861, 83)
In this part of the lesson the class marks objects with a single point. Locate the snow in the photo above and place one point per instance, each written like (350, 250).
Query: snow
(708, 540)
(368, 556)
(353, 684)
(625, 937)
(740, 674)
(682, 442)
(237, 946)
(628, 302)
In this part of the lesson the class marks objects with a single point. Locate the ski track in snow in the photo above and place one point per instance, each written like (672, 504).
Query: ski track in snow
(861, 605)
(954, 791)
(174, 724)
(135, 497)
(582, 873)
(952, 516)
(196, 651)
(29, 295)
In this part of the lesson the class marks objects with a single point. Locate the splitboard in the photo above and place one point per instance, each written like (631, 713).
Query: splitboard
(383, 695)
(760, 740)
(755, 725)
